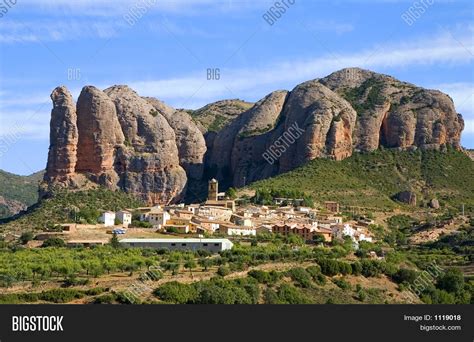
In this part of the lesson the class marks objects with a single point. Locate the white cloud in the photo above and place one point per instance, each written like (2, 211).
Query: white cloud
(252, 82)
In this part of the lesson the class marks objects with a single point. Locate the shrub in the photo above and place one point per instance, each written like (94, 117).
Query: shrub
(223, 270)
(341, 283)
(288, 294)
(300, 277)
(25, 237)
(54, 242)
(177, 293)
(405, 275)
(451, 281)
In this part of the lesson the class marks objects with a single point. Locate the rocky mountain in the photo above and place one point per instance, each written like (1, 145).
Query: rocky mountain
(215, 116)
(120, 140)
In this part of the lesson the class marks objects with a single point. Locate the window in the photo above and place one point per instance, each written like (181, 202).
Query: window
(216, 244)
(173, 244)
(183, 244)
(205, 244)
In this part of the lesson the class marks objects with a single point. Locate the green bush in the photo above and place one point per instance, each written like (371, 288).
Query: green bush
(300, 277)
(54, 242)
(223, 270)
(177, 293)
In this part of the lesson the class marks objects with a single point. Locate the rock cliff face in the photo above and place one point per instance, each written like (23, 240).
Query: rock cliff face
(143, 146)
(62, 156)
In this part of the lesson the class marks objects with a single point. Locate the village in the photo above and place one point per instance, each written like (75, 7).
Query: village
(214, 224)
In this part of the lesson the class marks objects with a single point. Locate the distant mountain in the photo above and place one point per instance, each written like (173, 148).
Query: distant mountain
(18, 192)
(117, 139)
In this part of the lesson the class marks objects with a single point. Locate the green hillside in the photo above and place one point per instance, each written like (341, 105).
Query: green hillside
(67, 206)
(17, 191)
(372, 179)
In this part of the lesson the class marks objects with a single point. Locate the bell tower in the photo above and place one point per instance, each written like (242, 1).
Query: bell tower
(212, 190)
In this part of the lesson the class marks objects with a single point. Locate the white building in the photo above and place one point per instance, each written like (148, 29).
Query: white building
(107, 218)
(125, 217)
(158, 217)
(357, 235)
(211, 245)
(342, 230)
(230, 229)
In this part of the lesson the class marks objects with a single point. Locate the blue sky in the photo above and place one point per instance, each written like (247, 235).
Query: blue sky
(166, 49)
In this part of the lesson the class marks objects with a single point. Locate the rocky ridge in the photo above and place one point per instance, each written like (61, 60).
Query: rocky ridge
(119, 140)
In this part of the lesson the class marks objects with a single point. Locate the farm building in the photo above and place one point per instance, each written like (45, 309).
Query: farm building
(211, 245)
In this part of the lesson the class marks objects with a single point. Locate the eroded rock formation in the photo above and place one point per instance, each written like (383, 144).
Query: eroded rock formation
(143, 146)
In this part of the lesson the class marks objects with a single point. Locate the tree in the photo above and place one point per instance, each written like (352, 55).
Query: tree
(175, 292)
(223, 270)
(318, 238)
(205, 263)
(25, 237)
(114, 241)
(451, 281)
(190, 264)
(231, 193)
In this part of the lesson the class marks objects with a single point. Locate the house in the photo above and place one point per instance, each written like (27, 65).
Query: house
(185, 214)
(305, 231)
(211, 245)
(241, 220)
(356, 234)
(178, 224)
(158, 217)
(342, 230)
(232, 229)
(124, 217)
(107, 218)
(205, 225)
(331, 206)
(217, 212)
(264, 229)
(229, 204)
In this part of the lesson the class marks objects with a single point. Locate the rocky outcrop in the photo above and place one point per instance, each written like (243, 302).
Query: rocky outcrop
(391, 113)
(407, 197)
(123, 143)
(327, 122)
(62, 156)
(189, 139)
(215, 116)
(434, 203)
(148, 163)
(143, 146)
(99, 136)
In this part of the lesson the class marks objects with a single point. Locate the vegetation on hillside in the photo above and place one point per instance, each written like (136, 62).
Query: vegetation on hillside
(217, 115)
(71, 206)
(21, 189)
(372, 179)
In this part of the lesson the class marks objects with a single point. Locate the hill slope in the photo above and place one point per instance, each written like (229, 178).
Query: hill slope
(65, 206)
(372, 179)
(17, 192)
